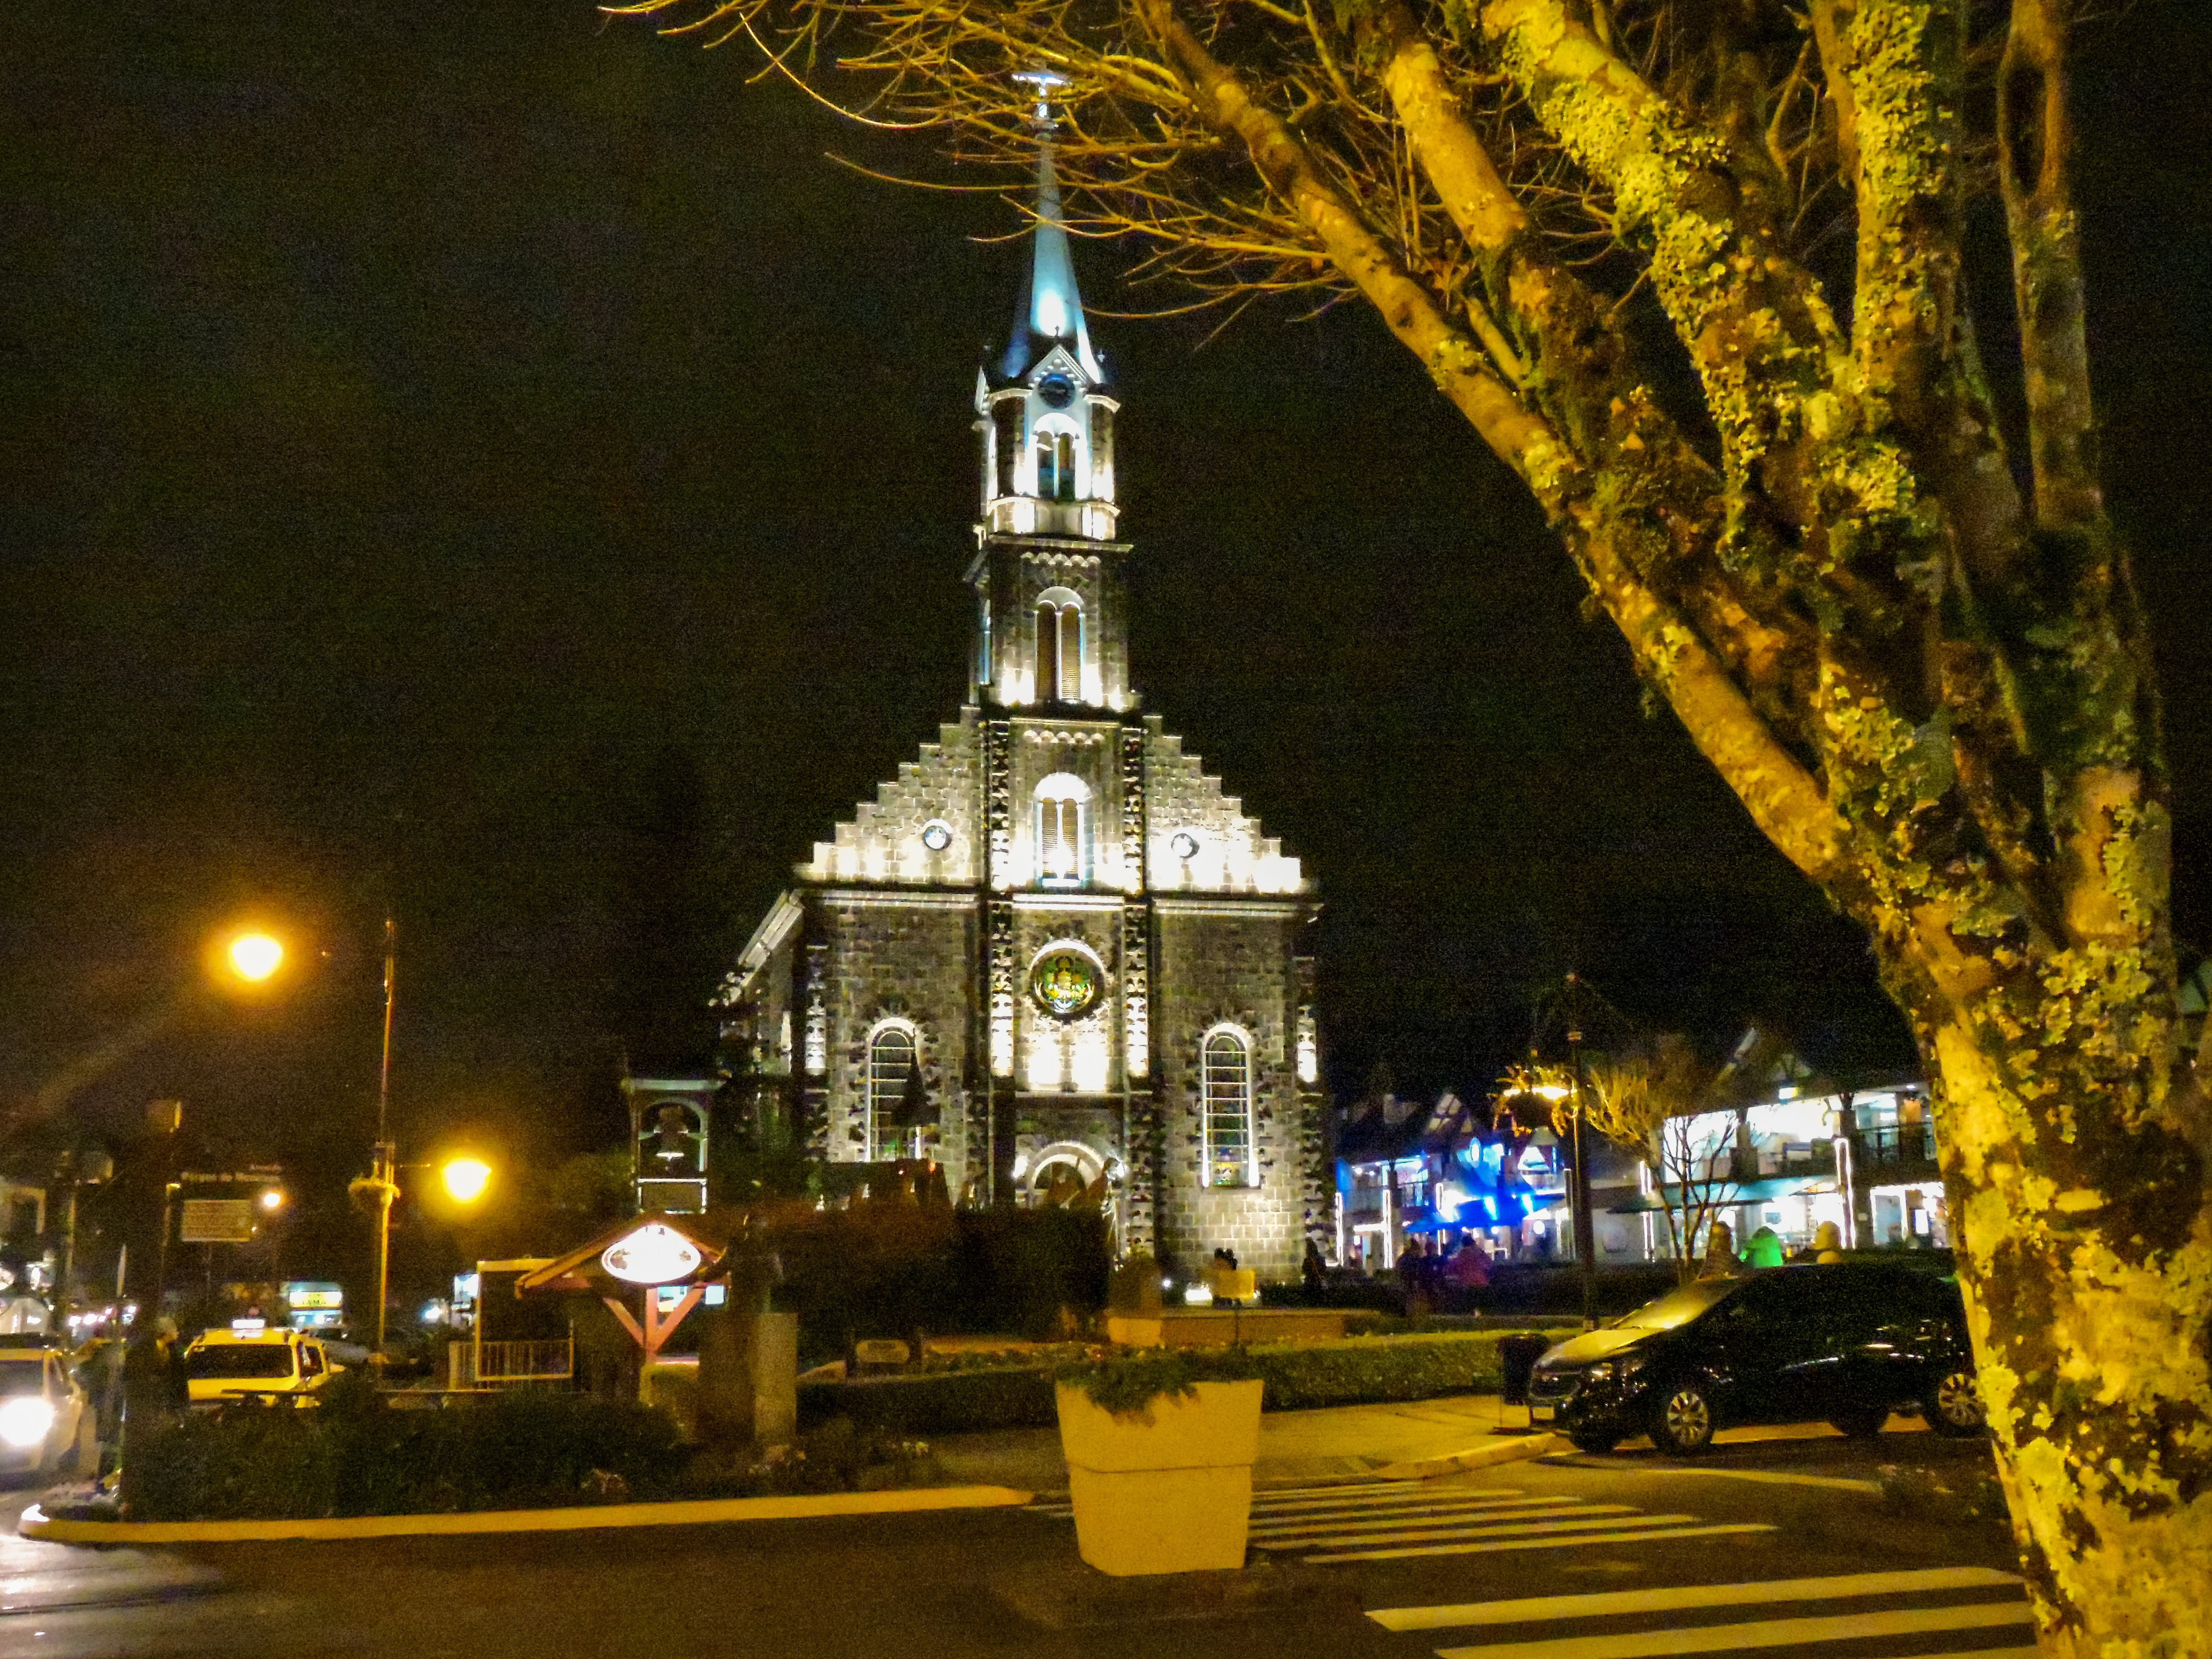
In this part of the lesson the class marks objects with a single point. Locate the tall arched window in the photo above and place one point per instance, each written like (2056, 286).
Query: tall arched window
(1063, 852)
(894, 1096)
(1225, 1083)
(1060, 650)
(1056, 464)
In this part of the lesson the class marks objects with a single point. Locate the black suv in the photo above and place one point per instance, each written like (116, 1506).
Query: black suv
(1846, 1344)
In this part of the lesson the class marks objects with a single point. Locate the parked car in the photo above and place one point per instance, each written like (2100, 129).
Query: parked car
(47, 1424)
(276, 1367)
(1846, 1344)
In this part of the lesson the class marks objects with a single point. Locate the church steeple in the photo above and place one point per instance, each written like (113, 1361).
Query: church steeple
(1048, 582)
(1051, 312)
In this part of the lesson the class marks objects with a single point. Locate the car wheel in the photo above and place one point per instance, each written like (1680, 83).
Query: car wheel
(1861, 1423)
(1592, 1440)
(1953, 1404)
(1682, 1421)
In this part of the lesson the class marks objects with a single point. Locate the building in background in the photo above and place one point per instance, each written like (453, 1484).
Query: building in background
(1052, 959)
(1797, 1151)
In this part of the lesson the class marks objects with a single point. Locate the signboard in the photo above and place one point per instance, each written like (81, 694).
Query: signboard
(217, 1221)
(652, 1254)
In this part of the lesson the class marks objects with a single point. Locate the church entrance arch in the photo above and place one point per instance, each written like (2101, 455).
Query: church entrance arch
(1062, 1161)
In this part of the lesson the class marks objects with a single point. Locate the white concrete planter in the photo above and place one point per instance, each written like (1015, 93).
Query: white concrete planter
(1166, 1490)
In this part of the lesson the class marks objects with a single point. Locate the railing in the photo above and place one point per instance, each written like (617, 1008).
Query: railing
(1899, 1143)
(1799, 1157)
(544, 1361)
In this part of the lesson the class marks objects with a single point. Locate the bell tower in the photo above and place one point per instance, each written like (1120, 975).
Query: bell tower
(1049, 614)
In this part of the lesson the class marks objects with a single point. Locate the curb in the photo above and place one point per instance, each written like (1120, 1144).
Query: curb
(36, 1523)
(1477, 1457)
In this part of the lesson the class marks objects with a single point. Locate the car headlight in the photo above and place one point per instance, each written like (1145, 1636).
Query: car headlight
(1632, 1363)
(24, 1423)
(1601, 1372)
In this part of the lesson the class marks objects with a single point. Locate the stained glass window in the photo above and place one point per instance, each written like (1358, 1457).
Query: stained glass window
(1225, 1077)
(892, 1058)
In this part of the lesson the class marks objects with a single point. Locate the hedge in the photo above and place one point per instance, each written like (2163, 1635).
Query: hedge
(887, 1270)
(356, 1455)
(1356, 1371)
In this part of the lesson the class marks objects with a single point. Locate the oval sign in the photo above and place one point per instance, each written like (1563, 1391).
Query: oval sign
(653, 1254)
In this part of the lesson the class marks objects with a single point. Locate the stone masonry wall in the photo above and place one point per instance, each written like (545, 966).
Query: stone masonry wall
(1233, 855)
(914, 961)
(884, 843)
(1213, 968)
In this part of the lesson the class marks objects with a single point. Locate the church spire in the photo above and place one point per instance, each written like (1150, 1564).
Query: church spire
(1051, 311)
(1045, 417)
(1047, 577)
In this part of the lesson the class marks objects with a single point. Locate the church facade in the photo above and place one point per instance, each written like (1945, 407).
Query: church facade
(1052, 952)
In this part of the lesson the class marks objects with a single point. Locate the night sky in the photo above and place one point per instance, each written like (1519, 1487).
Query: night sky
(483, 460)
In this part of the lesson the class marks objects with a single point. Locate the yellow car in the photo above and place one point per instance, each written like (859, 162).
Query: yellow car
(276, 1368)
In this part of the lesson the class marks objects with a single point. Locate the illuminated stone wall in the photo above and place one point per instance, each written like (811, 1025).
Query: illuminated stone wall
(897, 958)
(1215, 965)
(884, 841)
(1231, 855)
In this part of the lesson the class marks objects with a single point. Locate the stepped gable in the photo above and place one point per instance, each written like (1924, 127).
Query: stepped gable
(882, 842)
(1233, 855)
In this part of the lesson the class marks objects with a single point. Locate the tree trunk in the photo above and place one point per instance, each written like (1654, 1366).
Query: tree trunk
(2076, 1178)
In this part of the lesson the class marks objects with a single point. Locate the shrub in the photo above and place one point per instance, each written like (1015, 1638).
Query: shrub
(1355, 1371)
(1365, 1370)
(1124, 1381)
(886, 1270)
(356, 1455)
(950, 1403)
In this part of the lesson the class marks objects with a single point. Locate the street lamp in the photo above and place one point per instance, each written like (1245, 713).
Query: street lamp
(467, 1178)
(255, 957)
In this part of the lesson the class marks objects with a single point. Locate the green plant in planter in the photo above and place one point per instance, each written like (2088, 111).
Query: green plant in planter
(1126, 1382)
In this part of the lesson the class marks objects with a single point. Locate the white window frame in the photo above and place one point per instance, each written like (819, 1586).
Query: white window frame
(899, 1142)
(1067, 654)
(1075, 795)
(1243, 1108)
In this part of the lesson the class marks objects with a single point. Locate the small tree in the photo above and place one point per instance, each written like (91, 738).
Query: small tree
(1653, 1104)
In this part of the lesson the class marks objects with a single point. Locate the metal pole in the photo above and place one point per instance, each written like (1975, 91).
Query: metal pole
(383, 1158)
(1585, 1231)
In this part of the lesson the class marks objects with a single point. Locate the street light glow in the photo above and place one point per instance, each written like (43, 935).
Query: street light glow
(272, 1200)
(255, 957)
(466, 1179)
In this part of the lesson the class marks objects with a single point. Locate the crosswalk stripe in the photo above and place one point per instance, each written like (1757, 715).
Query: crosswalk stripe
(1595, 1517)
(1491, 1545)
(1674, 1598)
(1518, 1518)
(1762, 1633)
(1385, 1498)
(1408, 1512)
(1326, 1488)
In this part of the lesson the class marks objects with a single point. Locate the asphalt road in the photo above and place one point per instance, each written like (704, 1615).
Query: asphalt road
(1439, 1561)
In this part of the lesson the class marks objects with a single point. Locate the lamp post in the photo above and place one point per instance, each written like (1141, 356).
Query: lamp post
(1579, 1196)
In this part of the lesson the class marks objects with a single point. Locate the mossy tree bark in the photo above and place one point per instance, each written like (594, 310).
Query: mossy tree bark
(1930, 690)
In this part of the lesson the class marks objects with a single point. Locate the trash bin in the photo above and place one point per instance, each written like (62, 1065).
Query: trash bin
(1516, 1359)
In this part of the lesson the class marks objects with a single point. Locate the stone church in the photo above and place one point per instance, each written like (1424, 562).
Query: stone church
(1052, 951)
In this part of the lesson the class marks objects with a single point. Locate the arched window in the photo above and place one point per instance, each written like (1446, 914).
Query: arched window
(1225, 1083)
(1056, 464)
(1060, 650)
(897, 1104)
(1063, 807)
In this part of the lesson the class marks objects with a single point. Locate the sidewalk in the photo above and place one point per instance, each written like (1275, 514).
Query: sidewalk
(1308, 1445)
